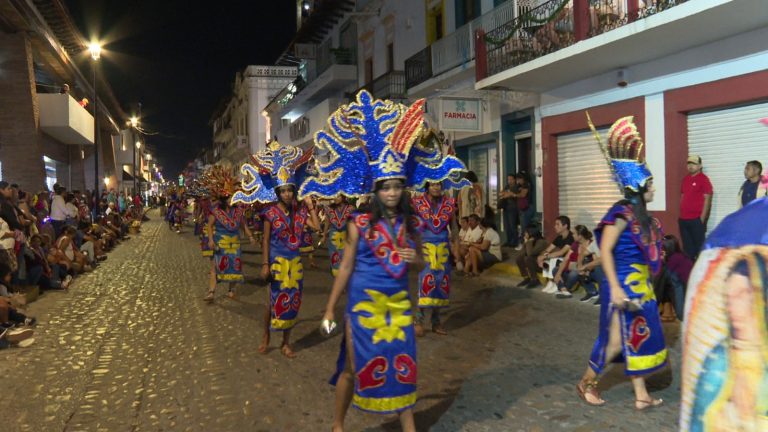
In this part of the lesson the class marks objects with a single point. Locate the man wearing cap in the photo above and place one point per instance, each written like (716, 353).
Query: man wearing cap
(695, 204)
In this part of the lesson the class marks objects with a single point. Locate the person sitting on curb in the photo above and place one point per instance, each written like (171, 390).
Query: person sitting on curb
(533, 245)
(473, 236)
(553, 255)
(487, 252)
(10, 318)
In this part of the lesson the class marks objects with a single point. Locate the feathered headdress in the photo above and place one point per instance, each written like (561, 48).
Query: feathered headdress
(370, 140)
(219, 181)
(275, 166)
(624, 154)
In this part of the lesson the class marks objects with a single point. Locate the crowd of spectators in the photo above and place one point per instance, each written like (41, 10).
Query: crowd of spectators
(49, 238)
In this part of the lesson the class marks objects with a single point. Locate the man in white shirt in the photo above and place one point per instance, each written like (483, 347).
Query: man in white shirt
(59, 211)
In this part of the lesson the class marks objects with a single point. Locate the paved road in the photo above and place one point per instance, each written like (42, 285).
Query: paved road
(131, 347)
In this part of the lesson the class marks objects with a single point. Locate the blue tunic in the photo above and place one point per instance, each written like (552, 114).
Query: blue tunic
(380, 319)
(226, 236)
(435, 278)
(642, 340)
(287, 283)
(337, 233)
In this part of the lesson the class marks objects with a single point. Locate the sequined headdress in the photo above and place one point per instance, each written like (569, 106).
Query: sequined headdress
(275, 166)
(624, 154)
(370, 140)
(219, 181)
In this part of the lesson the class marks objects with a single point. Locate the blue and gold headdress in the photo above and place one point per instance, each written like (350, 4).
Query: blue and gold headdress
(275, 166)
(624, 154)
(370, 140)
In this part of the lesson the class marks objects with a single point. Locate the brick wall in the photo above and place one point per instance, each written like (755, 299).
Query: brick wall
(20, 144)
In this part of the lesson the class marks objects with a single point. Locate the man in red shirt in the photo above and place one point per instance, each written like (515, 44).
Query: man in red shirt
(695, 203)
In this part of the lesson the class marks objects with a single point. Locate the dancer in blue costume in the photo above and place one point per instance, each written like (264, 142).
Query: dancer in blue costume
(337, 214)
(272, 178)
(224, 225)
(630, 243)
(373, 147)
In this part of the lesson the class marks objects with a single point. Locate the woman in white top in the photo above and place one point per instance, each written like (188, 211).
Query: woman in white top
(7, 243)
(487, 252)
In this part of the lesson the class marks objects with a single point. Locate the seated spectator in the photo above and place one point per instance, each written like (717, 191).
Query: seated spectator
(553, 255)
(482, 255)
(533, 246)
(473, 236)
(586, 270)
(39, 271)
(670, 283)
(566, 276)
(75, 259)
(7, 245)
(10, 317)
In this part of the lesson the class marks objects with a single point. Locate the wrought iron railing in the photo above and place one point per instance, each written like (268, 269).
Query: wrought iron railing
(606, 15)
(418, 67)
(391, 86)
(549, 26)
(533, 33)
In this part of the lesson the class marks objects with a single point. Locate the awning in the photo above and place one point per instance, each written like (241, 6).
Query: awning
(127, 176)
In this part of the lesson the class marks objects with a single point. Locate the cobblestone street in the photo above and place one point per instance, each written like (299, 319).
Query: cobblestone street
(132, 346)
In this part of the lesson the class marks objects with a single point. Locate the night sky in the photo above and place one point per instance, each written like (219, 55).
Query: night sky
(178, 58)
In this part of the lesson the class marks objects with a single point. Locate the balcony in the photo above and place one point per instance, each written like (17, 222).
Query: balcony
(335, 71)
(455, 49)
(390, 86)
(552, 44)
(64, 119)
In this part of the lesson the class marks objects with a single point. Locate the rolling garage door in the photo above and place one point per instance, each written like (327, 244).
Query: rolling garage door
(726, 139)
(586, 188)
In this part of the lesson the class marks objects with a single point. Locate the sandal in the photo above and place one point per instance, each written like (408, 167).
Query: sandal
(589, 388)
(287, 351)
(231, 295)
(264, 347)
(648, 404)
(209, 297)
(440, 330)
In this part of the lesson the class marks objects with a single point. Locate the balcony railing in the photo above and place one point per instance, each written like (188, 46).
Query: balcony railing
(418, 67)
(328, 56)
(550, 26)
(535, 32)
(391, 86)
(456, 48)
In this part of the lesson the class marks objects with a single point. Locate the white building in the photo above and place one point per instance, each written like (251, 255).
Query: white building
(239, 126)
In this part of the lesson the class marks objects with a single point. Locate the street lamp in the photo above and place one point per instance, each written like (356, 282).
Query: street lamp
(134, 125)
(106, 181)
(95, 49)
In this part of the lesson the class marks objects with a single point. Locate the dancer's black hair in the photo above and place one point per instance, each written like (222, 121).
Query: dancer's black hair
(639, 209)
(379, 210)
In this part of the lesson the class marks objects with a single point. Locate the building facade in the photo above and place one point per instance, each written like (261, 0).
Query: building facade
(692, 73)
(240, 127)
(47, 133)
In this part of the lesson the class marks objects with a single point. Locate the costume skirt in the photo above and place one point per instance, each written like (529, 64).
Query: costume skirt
(285, 290)
(435, 278)
(227, 257)
(642, 340)
(383, 342)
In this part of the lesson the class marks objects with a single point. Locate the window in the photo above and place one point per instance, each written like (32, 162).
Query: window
(390, 57)
(466, 11)
(368, 70)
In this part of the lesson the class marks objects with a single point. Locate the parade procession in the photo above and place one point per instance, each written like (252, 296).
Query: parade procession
(384, 215)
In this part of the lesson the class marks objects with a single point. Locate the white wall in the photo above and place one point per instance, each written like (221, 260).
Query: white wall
(409, 35)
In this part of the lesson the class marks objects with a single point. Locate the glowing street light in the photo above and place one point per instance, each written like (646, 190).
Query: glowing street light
(95, 49)
(134, 121)
(106, 181)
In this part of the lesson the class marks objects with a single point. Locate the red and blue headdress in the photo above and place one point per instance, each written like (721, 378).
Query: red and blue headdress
(275, 166)
(624, 154)
(370, 140)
